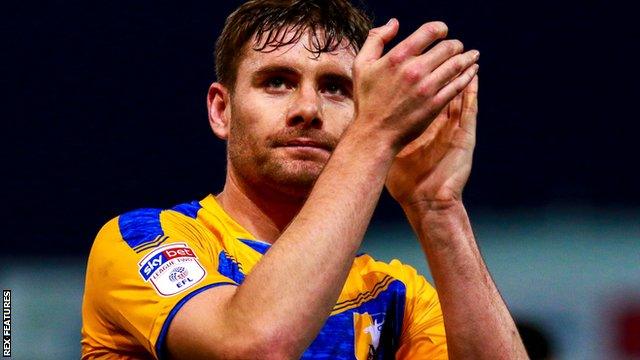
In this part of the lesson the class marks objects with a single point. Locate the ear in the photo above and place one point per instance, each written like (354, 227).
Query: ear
(219, 106)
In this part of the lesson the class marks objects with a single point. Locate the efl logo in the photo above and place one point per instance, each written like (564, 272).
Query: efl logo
(171, 269)
(6, 323)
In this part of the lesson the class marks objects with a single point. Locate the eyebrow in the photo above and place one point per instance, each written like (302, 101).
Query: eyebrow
(343, 79)
(273, 69)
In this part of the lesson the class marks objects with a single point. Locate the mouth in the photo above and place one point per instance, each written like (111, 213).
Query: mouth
(305, 143)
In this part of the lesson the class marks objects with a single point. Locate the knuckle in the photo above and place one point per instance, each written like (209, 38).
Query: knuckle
(448, 45)
(437, 102)
(425, 90)
(458, 64)
(375, 32)
(397, 57)
(411, 74)
(430, 30)
(455, 46)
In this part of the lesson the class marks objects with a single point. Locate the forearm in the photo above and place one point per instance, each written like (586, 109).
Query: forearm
(477, 322)
(296, 284)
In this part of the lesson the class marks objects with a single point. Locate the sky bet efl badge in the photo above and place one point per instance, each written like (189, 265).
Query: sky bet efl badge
(171, 269)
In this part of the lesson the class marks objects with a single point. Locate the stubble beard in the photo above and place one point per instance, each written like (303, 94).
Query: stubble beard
(270, 169)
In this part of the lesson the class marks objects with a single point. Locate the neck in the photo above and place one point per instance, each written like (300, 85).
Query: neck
(264, 212)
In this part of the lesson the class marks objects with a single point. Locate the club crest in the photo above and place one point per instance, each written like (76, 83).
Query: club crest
(366, 331)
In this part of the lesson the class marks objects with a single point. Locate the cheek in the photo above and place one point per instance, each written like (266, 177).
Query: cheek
(338, 117)
(251, 125)
(240, 132)
(259, 113)
(243, 139)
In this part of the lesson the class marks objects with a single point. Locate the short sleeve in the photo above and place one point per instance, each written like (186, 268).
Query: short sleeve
(142, 268)
(423, 333)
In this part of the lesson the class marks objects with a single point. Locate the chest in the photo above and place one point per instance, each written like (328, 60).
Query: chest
(366, 322)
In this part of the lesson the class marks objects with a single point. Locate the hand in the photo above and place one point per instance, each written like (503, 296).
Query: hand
(399, 94)
(433, 169)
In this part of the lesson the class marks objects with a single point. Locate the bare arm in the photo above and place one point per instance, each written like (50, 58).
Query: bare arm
(477, 321)
(285, 300)
(427, 179)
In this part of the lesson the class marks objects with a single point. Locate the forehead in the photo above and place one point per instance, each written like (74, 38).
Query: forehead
(299, 55)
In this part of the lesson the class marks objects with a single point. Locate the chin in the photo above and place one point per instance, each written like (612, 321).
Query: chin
(295, 177)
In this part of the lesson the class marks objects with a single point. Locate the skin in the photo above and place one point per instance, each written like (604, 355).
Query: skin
(410, 121)
(285, 95)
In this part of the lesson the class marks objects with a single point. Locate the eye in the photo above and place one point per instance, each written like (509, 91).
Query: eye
(275, 83)
(335, 89)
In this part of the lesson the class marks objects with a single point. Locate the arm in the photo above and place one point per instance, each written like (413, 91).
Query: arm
(285, 300)
(427, 179)
(477, 322)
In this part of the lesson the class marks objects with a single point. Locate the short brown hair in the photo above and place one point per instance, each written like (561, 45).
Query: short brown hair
(271, 20)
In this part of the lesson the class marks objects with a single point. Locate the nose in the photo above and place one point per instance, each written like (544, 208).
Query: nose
(305, 109)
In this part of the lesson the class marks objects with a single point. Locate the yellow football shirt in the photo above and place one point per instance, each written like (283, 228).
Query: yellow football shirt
(146, 264)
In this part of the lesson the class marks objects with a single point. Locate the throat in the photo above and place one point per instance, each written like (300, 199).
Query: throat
(261, 211)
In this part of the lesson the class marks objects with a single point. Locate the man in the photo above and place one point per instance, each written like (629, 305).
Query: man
(316, 120)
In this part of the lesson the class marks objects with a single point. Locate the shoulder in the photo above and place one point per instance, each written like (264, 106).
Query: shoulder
(131, 246)
(148, 227)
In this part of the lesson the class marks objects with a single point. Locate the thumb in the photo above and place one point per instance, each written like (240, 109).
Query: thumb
(378, 37)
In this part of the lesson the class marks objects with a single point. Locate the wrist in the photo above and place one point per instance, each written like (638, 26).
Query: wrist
(438, 223)
(371, 129)
(359, 157)
(433, 208)
(369, 141)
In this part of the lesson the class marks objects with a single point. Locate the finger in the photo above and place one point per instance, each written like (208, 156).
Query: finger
(374, 44)
(440, 53)
(418, 41)
(455, 87)
(437, 124)
(455, 108)
(470, 106)
(450, 69)
(428, 135)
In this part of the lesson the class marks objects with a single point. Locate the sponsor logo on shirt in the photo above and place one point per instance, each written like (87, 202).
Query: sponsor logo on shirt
(171, 269)
(366, 333)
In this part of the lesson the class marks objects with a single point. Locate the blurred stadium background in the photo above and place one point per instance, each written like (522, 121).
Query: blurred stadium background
(104, 109)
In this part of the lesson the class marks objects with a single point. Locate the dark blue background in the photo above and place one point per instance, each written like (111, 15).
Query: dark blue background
(104, 108)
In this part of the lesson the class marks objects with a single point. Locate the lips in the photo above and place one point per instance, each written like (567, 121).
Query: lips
(303, 142)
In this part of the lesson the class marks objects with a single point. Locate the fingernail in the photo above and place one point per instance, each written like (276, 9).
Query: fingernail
(476, 54)
(389, 22)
